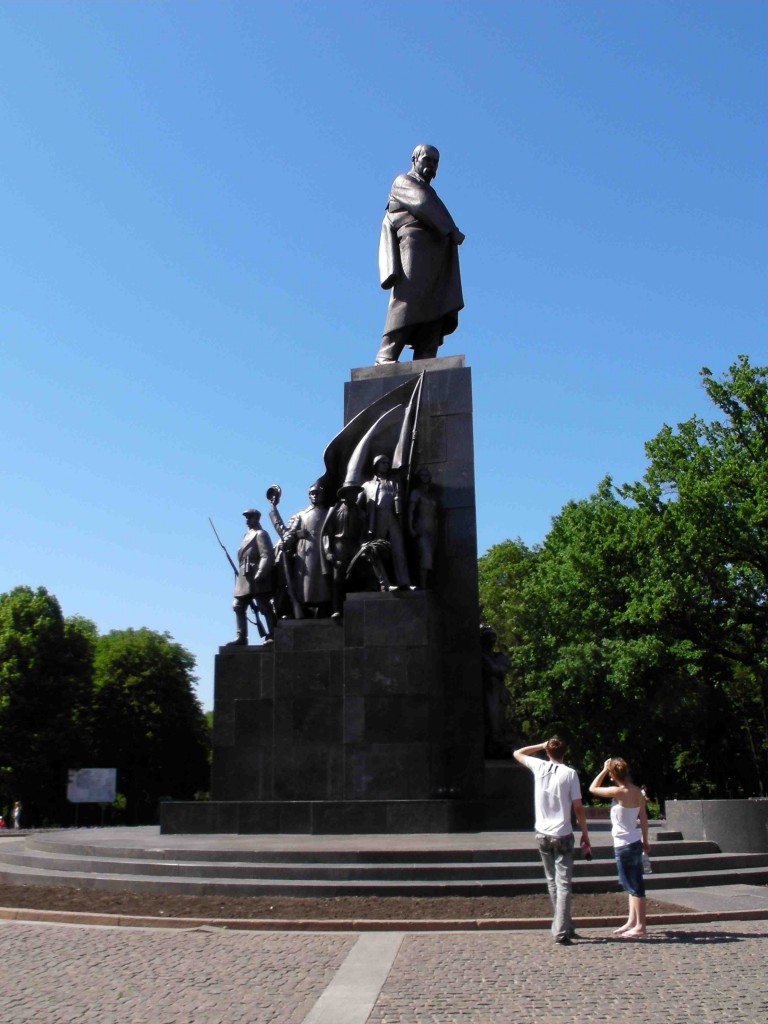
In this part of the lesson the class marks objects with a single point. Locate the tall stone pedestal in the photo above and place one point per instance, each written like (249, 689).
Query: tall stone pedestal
(507, 797)
(374, 724)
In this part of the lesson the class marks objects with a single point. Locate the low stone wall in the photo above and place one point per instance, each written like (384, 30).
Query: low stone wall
(598, 813)
(737, 826)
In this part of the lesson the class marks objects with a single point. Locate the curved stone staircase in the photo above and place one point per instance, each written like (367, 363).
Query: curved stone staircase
(488, 864)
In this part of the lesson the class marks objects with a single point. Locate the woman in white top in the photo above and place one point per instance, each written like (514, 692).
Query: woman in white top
(629, 828)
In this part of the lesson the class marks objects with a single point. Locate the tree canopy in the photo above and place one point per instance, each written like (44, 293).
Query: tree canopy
(639, 625)
(44, 688)
(148, 722)
(70, 698)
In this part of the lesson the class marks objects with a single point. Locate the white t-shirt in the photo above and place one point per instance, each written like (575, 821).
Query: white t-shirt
(556, 786)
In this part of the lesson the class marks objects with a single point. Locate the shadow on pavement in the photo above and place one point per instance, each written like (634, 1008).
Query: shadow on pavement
(681, 937)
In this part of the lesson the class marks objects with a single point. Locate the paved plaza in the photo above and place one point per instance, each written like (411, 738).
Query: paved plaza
(56, 974)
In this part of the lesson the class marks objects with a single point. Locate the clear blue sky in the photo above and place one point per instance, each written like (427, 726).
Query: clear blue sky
(190, 201)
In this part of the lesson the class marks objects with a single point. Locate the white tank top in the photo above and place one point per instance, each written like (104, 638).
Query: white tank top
(624, 826)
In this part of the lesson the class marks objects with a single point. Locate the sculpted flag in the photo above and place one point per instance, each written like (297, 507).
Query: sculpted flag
(387, 425)
(406, 443)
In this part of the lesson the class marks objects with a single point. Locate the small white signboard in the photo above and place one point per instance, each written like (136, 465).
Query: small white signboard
(91, 785)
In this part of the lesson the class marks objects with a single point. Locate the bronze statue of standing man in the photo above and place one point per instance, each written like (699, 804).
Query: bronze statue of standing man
(253, 583)
(419, 261)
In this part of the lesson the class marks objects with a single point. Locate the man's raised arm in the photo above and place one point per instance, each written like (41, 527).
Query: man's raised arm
(523, 752)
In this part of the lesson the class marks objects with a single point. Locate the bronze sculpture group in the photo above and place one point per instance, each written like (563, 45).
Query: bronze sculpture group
(380, 532)
(324, 552)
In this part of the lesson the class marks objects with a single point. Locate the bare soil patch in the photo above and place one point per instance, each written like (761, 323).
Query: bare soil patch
(103, 901)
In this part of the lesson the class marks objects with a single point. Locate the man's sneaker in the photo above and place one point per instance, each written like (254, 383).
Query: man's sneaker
(564, 940)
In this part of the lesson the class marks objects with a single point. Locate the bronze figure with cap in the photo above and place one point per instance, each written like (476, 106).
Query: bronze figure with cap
(253, 583)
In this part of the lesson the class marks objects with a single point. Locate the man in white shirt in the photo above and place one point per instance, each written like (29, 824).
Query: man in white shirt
(556, 794)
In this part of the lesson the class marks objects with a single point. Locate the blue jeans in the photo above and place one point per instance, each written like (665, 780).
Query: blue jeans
(556, 854)
(629, 862)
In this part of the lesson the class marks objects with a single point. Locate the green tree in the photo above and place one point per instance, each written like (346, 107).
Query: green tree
(147, 720)
(705, 504)
(639, 625)
(45, 690)
(502, 571)
(575, 664)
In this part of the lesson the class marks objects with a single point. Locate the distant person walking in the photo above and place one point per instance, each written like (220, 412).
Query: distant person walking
(556, 794)
(629, 828)
(16, 815)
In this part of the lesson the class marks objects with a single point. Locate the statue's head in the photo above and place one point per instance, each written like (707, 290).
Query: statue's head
(316, 493)
(425, 160)
(252, 517)
(382, 465)
(487, 637)
(349, 492)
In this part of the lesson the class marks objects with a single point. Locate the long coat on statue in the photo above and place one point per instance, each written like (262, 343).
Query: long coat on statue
(417, 258)
(256, 557)
(311, 573)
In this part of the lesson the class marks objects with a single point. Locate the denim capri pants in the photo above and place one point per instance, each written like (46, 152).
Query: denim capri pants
(629, 861)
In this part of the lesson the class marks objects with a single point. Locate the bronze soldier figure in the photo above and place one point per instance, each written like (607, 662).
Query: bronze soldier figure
(254, 578)
(381, 499)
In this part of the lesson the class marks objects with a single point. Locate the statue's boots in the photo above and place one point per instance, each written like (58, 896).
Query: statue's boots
(242, 627)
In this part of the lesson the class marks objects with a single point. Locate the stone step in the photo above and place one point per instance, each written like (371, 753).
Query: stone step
(507, 855)
(346, 871)
(378, 886)
(353, 872)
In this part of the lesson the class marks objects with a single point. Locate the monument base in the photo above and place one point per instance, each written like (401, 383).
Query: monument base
(508, 797)
(317, 817)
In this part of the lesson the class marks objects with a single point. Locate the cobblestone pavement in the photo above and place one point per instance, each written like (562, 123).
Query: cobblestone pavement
(52, 974)
(681, 974)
